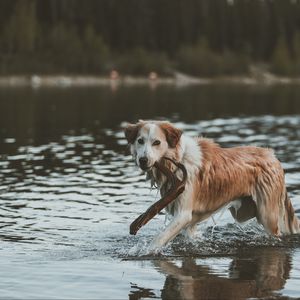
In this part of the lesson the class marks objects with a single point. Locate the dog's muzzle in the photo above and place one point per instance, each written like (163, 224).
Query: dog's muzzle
(144, 163)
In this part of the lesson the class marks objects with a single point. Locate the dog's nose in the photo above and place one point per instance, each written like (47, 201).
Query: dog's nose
(143, 161)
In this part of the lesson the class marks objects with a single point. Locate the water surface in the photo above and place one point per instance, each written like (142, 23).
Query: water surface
(69, 191)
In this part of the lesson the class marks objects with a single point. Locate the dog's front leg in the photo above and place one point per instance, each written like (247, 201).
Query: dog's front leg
(179, 222)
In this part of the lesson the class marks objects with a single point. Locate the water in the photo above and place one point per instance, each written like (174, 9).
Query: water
(69, 192)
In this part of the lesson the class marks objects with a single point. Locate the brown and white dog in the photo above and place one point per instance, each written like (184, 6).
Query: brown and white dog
(250, 180)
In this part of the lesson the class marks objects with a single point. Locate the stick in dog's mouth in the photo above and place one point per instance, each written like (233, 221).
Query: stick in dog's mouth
(177, 187)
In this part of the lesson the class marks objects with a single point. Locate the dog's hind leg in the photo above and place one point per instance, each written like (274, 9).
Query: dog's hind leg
(289, 223)
(268, 209)
(274, 209)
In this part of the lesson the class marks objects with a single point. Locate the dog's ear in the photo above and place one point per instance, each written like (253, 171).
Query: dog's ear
(131, 131)
(172, 133)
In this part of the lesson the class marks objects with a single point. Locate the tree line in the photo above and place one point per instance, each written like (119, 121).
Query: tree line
(198, 37)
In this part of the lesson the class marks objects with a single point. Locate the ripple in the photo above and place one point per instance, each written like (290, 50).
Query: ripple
(62, 191)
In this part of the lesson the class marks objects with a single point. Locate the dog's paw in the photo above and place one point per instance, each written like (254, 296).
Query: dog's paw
(153, 250)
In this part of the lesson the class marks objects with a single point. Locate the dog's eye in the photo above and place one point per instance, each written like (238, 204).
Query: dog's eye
(156, 143)
(141, 141)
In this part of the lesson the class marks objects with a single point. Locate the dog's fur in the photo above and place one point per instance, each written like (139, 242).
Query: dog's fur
(249, 179)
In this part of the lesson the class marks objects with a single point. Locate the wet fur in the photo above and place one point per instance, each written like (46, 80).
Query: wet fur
(249, 179)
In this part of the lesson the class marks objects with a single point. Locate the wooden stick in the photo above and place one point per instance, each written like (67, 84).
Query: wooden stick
(177, 187)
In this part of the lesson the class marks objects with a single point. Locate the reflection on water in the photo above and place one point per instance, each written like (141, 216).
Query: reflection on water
(69, 191)
(247, 275)
(43, 115)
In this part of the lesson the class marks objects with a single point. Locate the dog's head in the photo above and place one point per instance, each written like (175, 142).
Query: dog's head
(150, 141)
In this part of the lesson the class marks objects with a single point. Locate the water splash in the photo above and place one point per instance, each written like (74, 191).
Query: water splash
(64, 191)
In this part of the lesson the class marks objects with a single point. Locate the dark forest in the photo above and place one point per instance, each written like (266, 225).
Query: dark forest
(196, 37)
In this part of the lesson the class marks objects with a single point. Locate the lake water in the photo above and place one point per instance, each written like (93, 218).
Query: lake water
(69, 191)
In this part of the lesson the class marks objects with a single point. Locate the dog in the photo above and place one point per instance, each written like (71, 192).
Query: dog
(247, 179)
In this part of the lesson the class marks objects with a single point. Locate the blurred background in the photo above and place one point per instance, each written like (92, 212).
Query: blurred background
(197, 37)
(72, 73)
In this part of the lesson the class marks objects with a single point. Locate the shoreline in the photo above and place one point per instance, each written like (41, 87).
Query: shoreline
(179, 79)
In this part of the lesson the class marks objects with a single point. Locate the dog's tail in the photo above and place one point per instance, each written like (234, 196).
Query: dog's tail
(292, 224)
